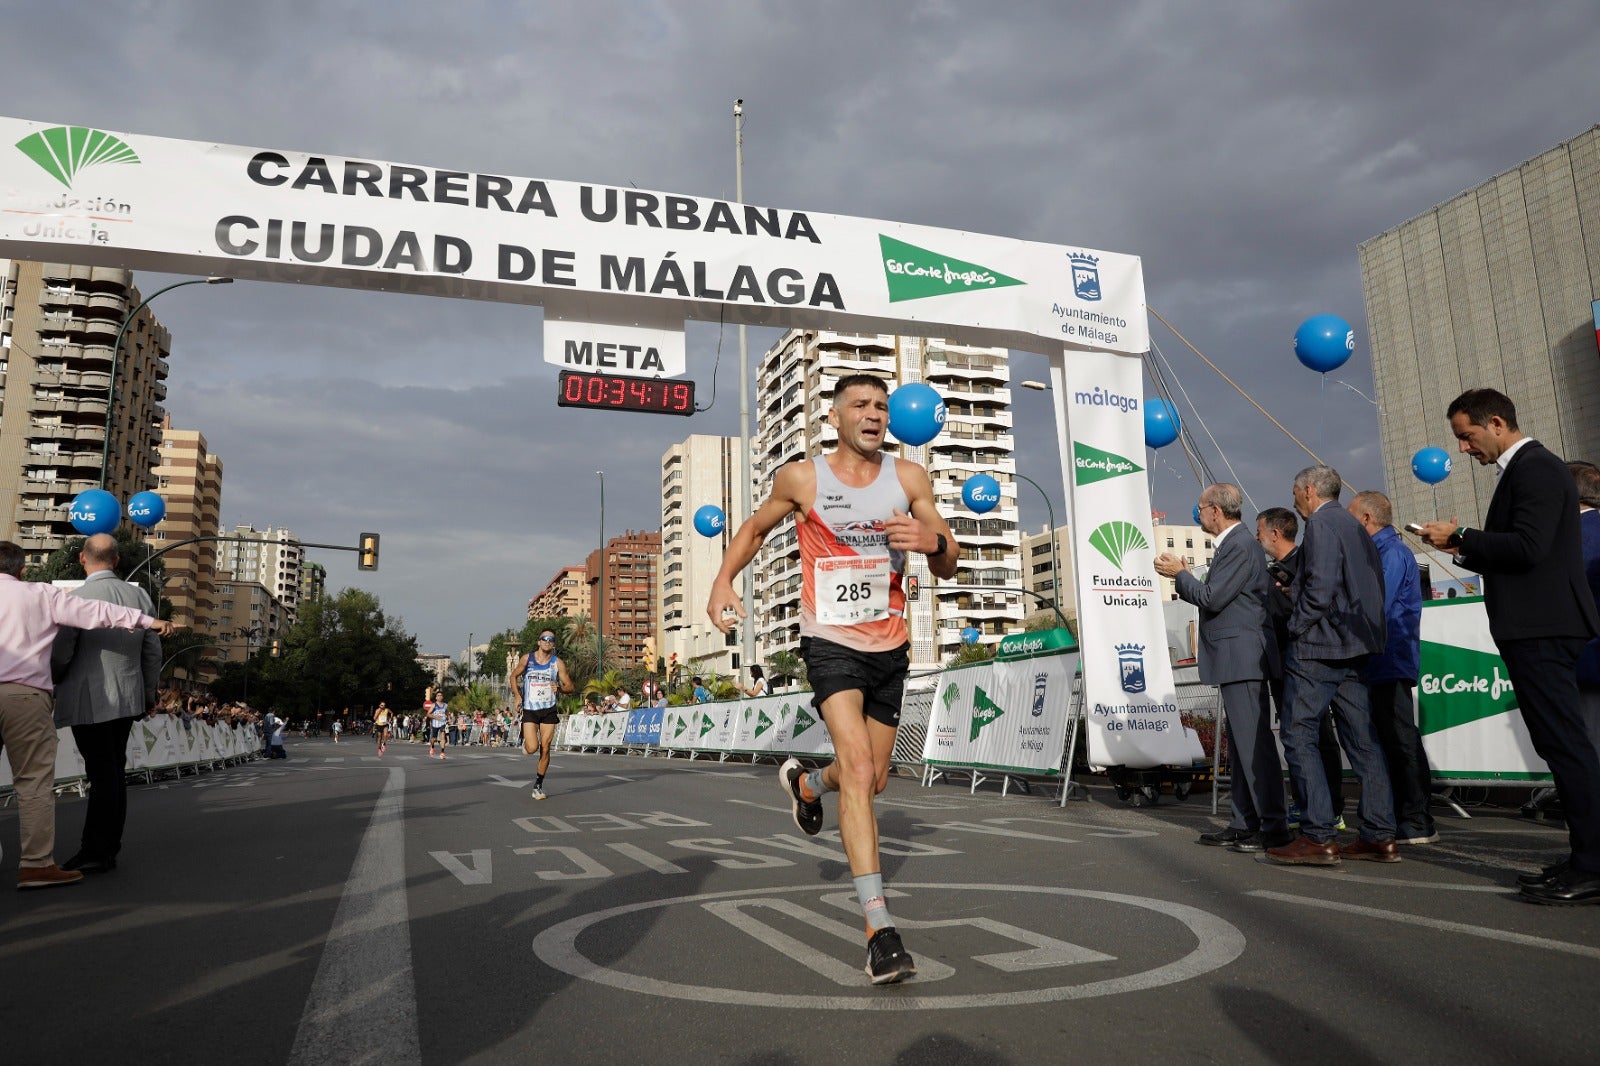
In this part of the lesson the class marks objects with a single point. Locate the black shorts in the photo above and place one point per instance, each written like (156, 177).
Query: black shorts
(546, 716)
(880, 676)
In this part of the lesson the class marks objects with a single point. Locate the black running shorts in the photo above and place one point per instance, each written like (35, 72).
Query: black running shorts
(547, 716)
(880, 676)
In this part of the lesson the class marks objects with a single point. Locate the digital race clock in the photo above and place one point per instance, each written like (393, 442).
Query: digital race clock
(618, 392)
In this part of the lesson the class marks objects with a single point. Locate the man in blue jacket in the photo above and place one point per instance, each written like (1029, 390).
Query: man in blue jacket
(1392, 673)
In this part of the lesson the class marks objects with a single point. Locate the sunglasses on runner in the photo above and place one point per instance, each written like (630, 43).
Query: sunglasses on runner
(547, 640)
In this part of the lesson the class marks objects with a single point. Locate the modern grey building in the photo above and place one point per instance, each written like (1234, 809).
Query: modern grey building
(1491, 288)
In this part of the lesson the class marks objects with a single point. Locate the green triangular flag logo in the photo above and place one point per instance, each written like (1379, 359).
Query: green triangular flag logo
(1093, 465)
(62, 151)
(706, 724)
(149, 740)
(763, 723)
(984, 710)
(802, 721)
(683, 723)
(1460, 685)
(916, 273)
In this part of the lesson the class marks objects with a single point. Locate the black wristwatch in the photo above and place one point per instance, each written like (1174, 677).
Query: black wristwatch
(943, 545)
(1454, 540)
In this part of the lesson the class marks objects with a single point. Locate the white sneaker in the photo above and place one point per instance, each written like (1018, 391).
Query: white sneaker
(538, 793)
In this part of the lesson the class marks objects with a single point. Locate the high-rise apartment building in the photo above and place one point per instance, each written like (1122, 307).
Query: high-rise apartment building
(270, 557)
(313, 581)
(623, 595)
(1040, 575)
(796, 381)
(565, 596)
(701, 470)
(249, 616)
(189, 479)
(57, 327)
(1494, 287)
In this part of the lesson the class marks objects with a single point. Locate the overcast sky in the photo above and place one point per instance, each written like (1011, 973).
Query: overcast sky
(1242, 149)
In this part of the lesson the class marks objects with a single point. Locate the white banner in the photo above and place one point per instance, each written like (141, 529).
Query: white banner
(1002, 715)
(631, 348)
(1467, 709)
(1132, 709)
(81, 195)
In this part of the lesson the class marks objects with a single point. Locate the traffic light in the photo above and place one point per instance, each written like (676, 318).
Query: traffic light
(277, 648)
(367, 559)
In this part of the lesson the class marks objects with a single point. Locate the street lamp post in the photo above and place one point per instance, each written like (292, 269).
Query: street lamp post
(1055, 564)
(116, 352)
(600, 603)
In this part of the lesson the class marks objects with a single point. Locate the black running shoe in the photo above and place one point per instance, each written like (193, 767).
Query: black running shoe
(887, 959)
(808, 816)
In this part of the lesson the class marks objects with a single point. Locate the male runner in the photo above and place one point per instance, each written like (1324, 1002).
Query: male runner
(380, 726)
(537, 676)
(858, 512)
(438, 719)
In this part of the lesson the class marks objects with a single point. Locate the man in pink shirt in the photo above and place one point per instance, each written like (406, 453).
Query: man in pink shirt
(30, 614)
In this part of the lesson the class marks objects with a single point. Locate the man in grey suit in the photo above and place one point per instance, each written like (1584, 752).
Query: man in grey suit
(1238, 653)
(105, 678)
(1337, 624)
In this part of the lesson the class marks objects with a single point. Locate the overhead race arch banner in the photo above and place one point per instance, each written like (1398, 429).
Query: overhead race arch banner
(106, 198)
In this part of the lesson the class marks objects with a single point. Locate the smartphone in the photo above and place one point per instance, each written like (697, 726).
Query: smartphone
(1414, 527)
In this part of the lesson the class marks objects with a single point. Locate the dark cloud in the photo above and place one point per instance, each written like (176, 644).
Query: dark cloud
(1243, 149)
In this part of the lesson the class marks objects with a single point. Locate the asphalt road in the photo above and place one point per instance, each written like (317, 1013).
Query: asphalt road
(338, 908)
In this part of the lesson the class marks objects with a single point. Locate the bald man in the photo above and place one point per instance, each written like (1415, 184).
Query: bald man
(105, 679)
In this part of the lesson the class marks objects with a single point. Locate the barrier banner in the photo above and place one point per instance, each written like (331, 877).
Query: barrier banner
(1130, 695)
(714, 729)
(1466, 707)
(1006, 716)
(677, 727)
(644, 726)
(810, 735)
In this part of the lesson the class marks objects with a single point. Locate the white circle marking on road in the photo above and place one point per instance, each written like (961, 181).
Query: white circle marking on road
(1220, 943)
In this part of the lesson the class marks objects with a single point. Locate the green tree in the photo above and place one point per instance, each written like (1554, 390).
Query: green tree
(971, 653)
(786, 664)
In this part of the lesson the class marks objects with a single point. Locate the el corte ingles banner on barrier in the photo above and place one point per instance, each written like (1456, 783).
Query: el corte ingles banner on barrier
(1130, 699)
(96, 197)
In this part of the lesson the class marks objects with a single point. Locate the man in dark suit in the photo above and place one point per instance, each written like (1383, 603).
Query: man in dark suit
(105, 678)
(1238, 654)
(1587, 478)
(1276, 528)
(1541, 613)
(1336, 625)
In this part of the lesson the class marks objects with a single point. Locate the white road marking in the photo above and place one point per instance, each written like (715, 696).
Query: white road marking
(1436, 923)
(363, 1001)
(762, 806)
(646, 859)
(1219, 943)
(481, 872)
(1391, 882)
(496, 779)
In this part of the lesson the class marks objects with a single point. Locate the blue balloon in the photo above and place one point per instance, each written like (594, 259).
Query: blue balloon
(916, 413)
(146, 509)
(1197, 514)
(970, 635)
(95, 511)
(981, 493)
(1324, 343)
(1431, 465)
(709, 520)
(1161, 423)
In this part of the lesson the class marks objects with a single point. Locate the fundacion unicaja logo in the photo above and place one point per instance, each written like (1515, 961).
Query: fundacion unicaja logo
(64, 151)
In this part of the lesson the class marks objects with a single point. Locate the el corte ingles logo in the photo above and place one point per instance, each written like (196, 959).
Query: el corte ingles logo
(915, 273)
(984, 711)
(63, 151)
(1091, 464)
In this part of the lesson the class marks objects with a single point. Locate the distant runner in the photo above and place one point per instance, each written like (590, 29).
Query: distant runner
(437, 733)
(538, 677)
(380, 726)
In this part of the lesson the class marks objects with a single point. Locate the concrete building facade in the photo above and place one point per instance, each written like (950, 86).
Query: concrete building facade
(189, 479)
(58, 324)
(1493, 287)
(565, 596)
(1040, 575)
(699, 471)
(249, 616)
(1191, 542)
(622, 595)
(795, 383)
(270, 557)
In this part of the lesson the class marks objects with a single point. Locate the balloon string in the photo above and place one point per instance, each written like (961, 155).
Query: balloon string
(1266, 414)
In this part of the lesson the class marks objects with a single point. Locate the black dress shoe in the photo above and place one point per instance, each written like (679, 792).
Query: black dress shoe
(87, 864)
(1544, 876)
(1568, 888)
(1249, 844)
(1224, 837)
(1263, 841)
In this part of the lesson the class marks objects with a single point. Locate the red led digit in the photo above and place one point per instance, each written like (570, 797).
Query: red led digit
(680, 397)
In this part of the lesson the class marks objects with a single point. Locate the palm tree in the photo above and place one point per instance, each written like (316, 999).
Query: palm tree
(787, 664)
(604, 685)
(971, 653)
